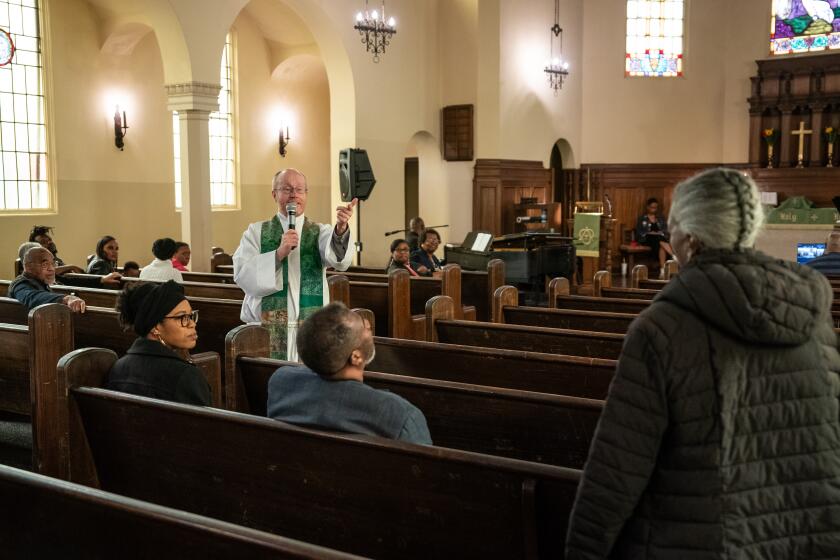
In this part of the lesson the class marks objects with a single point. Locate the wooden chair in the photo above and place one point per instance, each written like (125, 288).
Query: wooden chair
(633, 252)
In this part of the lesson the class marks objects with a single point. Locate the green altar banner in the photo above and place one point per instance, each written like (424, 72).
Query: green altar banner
(800, 210)
(587, 234)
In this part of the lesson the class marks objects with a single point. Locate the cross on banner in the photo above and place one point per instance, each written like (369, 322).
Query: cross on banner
(801, 132)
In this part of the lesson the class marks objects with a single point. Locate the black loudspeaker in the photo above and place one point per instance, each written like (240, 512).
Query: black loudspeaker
(354, 174)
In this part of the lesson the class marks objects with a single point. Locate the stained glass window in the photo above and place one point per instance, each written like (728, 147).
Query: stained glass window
(654, 38)
(798, 26)
(222, 151)
(23, 137)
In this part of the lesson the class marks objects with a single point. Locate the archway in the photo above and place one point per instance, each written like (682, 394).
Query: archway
(562, 162)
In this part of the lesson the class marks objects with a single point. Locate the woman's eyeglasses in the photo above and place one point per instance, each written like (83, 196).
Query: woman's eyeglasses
(186, 318)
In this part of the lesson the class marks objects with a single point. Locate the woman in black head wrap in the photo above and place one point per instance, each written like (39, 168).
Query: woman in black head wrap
(157, 365)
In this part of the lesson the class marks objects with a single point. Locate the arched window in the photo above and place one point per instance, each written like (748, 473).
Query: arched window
(655, 30)
(23, 137)
(222, 148)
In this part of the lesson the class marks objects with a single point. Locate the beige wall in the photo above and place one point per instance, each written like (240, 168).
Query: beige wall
(701, 117)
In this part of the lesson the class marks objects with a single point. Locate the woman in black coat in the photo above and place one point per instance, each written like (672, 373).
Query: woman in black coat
(720, 435)
(158, 364)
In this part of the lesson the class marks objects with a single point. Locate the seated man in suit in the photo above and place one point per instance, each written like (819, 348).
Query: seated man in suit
(329, 393)
(32, 288)
(829, 262)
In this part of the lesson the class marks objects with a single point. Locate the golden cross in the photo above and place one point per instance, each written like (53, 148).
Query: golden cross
(801, 132)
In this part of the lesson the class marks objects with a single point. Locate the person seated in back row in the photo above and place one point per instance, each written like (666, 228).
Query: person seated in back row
(829, 262)
(32, 288)
(328, 391)
(158, 364)
(160, 269)
(181, 258)
(652, 230)
(43, 236)
(424, 260)
(107, 255)
(131, 269)
(416, 227)
(399, 257)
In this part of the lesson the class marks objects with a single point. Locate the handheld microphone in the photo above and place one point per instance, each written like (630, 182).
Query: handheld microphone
(291, 210)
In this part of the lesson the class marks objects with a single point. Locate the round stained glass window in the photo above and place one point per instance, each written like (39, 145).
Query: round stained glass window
(7, 48)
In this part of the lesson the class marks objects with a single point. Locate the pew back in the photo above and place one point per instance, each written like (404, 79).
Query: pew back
(314, 486)
(54, 519)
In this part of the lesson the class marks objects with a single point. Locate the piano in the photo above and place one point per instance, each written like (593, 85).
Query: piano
(530, 257)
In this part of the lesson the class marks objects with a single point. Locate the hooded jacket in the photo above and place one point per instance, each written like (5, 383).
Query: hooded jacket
(720, 436)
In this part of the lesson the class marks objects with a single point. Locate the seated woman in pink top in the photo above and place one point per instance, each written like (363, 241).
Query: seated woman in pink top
(182, 256)
(399, 257)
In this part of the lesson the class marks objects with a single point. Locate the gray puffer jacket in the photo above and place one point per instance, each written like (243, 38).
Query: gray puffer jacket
(720, 437)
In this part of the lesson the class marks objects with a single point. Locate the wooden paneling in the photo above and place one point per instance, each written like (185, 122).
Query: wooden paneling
(630, 185)
(499, 184)
(458, 132)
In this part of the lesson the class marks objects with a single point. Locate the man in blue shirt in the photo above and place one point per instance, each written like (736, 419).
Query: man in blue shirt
(329, 393)
(32, 288)
(829, 262)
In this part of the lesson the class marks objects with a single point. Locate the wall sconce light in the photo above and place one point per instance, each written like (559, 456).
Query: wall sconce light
(283, 141)
(120, 128)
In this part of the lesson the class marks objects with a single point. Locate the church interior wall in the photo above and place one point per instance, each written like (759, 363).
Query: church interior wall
(700, 117)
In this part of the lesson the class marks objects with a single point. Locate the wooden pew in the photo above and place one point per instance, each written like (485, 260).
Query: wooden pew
(602, 287)
(221, 262)
(476, 287)
(506, 310)
(513, 369)
(639, 279)
(462, 416)
(50, 518)
(572, 376)
(559, 298)
(389, 303)
(208, 277)
(367, 496)
(442, 327)
(423, 289)
(197, 289)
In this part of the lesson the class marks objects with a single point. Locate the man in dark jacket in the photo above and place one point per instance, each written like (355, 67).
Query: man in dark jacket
(32, 288)
(329, 393)
(720, 437)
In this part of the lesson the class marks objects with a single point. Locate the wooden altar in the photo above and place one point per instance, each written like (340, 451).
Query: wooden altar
(795, 94)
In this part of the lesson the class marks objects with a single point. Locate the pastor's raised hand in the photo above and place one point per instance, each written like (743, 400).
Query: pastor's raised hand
(343, 215)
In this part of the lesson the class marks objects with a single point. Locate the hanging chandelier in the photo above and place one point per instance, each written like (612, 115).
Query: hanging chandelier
(375, 31)
(557, 69)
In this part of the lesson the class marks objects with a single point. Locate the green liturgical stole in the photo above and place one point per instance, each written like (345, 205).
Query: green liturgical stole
(274, 307)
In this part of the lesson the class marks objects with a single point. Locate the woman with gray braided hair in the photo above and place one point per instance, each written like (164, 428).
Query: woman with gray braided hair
(720, 437)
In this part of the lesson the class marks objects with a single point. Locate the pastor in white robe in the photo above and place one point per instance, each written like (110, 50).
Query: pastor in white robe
(261, 274)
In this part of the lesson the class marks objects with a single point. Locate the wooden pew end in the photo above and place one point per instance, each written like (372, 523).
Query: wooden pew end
(438, 308)
(557, 287)
(672, 267)
(504, 296)
(339, 287)
(602, 279)
(244, 340)
(639, 273)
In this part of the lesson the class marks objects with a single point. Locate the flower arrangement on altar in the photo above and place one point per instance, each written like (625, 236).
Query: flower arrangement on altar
(770, 135)
(830, 135)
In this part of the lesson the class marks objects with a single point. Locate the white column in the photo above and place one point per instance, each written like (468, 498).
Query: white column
(194, 102)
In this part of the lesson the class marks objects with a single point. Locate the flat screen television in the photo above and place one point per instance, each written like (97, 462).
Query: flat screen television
(808, 251)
